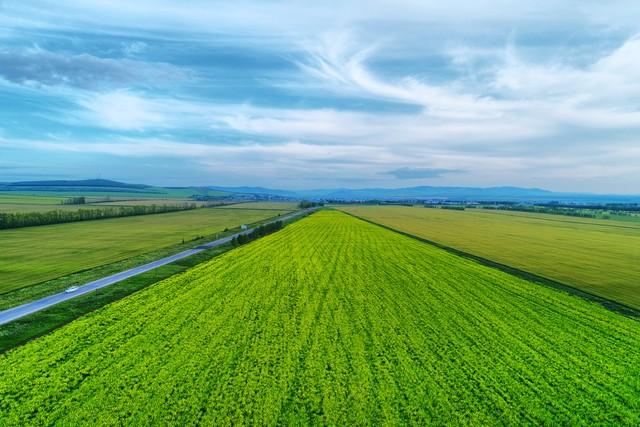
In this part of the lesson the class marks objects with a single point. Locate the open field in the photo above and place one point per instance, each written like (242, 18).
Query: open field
(25, 203)
(35, 254)
(611, 221)
(12, 202)
(116, 193)
(149, 202)
(23, 207)
(598, 256)
(27, 199)
(333, 321)
(19, 331)
(264, 205)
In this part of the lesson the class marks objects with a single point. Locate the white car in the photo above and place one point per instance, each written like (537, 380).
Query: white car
(71, 289)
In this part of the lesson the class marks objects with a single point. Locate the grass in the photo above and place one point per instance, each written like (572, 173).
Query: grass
(116, 192)
(148, 202)
(40, 323)
(37, 254)
(264, 205)
(12, 197)
(17, 200)
(332, 321)
(596, 256)
(24, 207)
(39, 290)
(37, 324)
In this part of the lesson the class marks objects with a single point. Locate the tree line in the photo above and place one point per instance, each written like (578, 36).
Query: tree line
(29, 219)
(305, 204)
(80, 200)
(259, 231)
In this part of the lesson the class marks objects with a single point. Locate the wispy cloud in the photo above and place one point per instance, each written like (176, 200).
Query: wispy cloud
(543, 93)
(36, 66)
(337, 59)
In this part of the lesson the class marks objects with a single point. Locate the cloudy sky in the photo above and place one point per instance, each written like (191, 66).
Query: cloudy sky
(323, 94)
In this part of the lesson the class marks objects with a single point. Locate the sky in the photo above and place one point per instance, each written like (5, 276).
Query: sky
(299, 95)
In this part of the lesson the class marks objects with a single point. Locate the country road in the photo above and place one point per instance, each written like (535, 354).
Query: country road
(20, 311)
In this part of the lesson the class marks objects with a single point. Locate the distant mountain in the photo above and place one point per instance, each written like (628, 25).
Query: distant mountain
(86, 185)
(426, 192)
(110, 187)
(422, 193)
(103, 183)
(258, 190)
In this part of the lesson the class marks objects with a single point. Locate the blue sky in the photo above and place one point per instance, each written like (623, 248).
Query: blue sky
(323, 94)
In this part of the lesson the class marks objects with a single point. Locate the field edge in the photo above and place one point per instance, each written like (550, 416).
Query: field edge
(609, 304)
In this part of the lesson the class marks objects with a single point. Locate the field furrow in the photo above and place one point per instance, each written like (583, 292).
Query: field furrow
(333, 320)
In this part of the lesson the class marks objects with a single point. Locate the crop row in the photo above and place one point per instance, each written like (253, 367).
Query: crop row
(333, 321)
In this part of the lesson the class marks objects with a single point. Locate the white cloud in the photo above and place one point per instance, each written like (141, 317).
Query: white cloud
(121, 110)
(130, 111)
(39, 67)
(540, 106)
(338, 60)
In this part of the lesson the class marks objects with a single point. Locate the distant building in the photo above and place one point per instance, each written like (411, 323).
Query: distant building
(244, 226)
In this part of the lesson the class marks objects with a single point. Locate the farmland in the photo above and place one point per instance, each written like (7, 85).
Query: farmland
(35, 254)
(598, 256)
(264, 205)
(37, 203)
(333, 321)
(27, 203)
(147, 202)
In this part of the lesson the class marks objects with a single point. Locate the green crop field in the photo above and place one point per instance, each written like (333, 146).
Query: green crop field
(264, 205)
(12, 202)
(115, 192)
(24, 207)
(599, 256)
(147, 202)
(26, 203)
(13, 198)
(333, 321)
(35, 254)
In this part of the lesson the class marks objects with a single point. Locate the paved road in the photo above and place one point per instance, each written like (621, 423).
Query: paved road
(15, 313)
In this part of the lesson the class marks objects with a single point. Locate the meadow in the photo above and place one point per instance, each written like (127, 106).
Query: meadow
(147, 202)
(125, 191)
(25, 207)
(333, 320)
(36, 254)
(264, 205)
(25, 203)
(601, 257)
(12, 203)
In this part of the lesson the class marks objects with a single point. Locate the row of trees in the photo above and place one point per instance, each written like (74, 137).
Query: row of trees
(80, 200)
(260, 231)
(28, 219)
(305, 204)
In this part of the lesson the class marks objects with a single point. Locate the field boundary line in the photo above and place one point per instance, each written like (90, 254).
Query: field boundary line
(609, 304)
